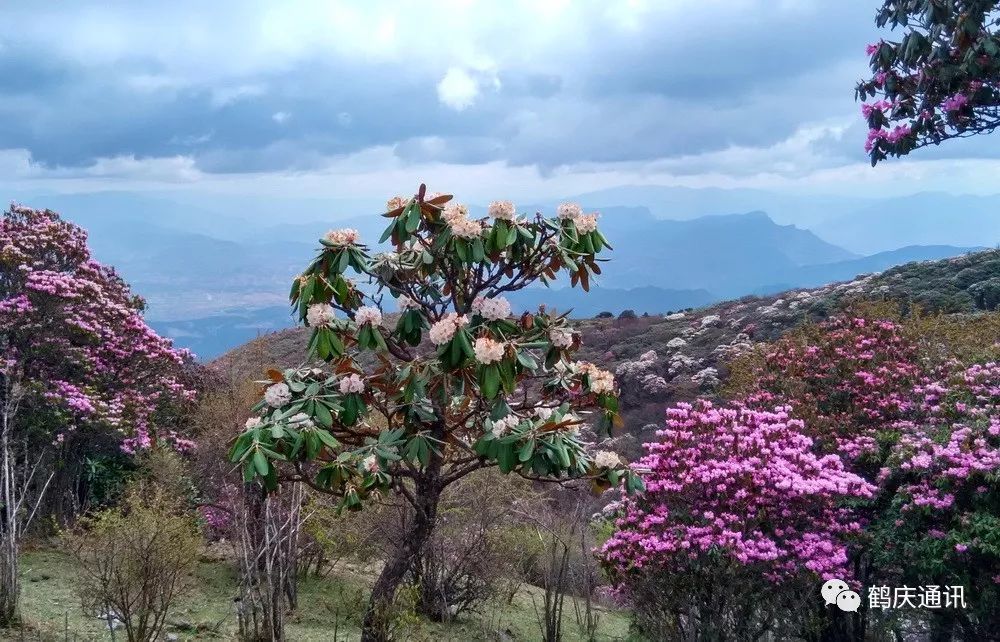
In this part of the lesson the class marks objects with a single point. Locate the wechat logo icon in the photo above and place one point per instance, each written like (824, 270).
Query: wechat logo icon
(837, 592)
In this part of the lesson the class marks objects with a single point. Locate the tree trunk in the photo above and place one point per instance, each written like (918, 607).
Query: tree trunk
(427, 495)
(9, 582)
(10, 586)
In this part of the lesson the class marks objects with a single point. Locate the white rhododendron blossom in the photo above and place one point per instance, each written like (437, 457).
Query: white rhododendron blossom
(352, 383)
(406, 303)
(396, 202)
(252, 422)
(455, 212)
(320, 314)
(301, 421)
(601, 381)
(585, 223)
(502, 210)
(543, 413)
(278, 395)
(503, 426)
(466, 228)
(561, 338)
(370, 464)
(488, 351)
(341, 238)
(443, 331)
(491, 309)
(606, 459)
(368, 314)
(569, 211)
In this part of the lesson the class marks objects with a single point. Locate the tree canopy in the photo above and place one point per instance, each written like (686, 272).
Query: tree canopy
(940, 80)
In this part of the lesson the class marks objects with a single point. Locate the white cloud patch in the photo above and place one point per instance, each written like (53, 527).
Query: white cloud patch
(223, 96)
(280, 117)
(458, 89)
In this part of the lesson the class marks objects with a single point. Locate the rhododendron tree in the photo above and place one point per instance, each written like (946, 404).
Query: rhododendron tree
(901, 411)
(848, 379)
(939, 80)
(733, 495)
(942, 526)
(861, 448)
(75, 357)
(454, 385)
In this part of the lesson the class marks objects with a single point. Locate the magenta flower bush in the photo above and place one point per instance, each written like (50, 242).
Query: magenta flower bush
(79, 368)
(741, 483)
(856, 453)
(73, 334)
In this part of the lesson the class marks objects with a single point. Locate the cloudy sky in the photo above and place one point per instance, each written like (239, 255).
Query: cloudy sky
(534, 98)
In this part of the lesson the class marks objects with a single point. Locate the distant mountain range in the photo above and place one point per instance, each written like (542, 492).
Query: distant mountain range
(215, 279)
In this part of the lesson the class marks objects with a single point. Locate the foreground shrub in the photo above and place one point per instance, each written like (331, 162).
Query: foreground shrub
(135, 560)
(735, 498)
(911, 406)
(475, 554)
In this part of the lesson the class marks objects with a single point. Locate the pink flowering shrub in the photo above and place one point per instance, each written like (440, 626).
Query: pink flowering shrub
(942, 526)
(743, 483)
(73, 334)
(740, 491)
(861, 448)
(847, 379)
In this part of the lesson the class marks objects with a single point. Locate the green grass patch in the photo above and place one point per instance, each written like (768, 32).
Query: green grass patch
(50, 609)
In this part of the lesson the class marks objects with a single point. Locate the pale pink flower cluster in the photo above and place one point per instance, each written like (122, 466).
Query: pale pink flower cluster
(454, 212)
(543, 413)
(302, 421)
(466, 228)
(320, 314)
(502, 210)
(491, 309)
(343, 237)
(406, 303)
(561, 337)
(488, 351)
(586, 223)
(569, 211)
(352, 383)
(601, 381)
(443, 331)
(370, 464)
(606, 459)
(278, 395)
(368, 314)
(457, 218)
(396, 202)
(252, 423)
(503, 426)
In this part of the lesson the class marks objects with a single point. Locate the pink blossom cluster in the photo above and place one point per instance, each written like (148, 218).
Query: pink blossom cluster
(951, 447)
(882, 105)
(895, 135)
(849, 383)
(743, 483)
(955, 103)
(73, 328)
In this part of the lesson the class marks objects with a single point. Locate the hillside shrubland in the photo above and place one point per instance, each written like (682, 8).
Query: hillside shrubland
(849, 430)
